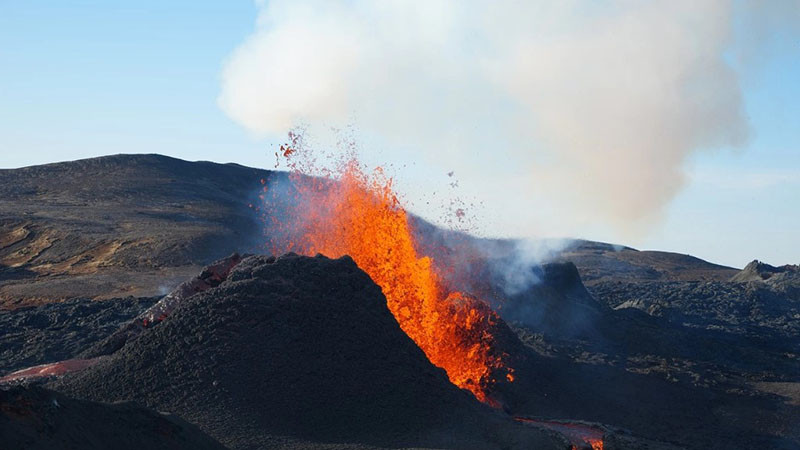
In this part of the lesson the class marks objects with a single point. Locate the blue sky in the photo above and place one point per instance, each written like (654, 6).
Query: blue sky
(88, 78)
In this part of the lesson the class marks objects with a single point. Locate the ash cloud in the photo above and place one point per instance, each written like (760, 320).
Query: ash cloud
(597, 105)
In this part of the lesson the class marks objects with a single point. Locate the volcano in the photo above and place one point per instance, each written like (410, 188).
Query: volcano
(297, 348)
(608, 339)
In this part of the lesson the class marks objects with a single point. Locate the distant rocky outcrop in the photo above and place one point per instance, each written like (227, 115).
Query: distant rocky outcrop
(600, 262)
(757, 271)
(556, 304)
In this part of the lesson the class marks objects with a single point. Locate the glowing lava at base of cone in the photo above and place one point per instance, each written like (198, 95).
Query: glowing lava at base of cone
(352, 212)
(581, 435)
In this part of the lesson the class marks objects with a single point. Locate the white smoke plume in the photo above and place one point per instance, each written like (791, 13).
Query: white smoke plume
(595, 104)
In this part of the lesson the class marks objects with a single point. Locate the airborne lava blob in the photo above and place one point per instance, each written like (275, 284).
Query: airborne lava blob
(350, 211)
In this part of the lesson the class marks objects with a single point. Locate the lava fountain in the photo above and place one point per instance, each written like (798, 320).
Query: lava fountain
(352, 211)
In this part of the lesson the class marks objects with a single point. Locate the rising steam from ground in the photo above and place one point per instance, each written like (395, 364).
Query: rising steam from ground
(595, 104)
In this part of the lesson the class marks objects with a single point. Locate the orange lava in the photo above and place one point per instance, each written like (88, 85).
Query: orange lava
(360, 215)
(579, 434)
(49, 370)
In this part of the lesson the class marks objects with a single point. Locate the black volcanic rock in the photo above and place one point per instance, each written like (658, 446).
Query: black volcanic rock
(57, 331)
(557, 303)
(757, 308)
(297, 349)
(33, 418)
(211, 276)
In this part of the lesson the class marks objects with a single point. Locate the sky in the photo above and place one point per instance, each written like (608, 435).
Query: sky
(197, 81)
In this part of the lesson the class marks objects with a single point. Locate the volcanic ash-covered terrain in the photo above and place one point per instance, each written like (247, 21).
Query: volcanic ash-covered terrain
(294, 349)
(38, 419)
(604, 344)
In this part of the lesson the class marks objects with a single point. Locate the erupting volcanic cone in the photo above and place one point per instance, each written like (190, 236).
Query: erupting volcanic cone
(356, 213)
(291, 349)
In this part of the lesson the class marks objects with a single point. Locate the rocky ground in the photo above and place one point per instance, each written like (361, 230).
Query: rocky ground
(654, 344)
(694, 386)
(37, 418)
(119, 226)
(34, 335)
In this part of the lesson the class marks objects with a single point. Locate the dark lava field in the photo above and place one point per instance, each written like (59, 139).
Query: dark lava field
(147, 274)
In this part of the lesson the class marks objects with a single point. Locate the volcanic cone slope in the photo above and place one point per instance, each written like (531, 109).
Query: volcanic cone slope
(292, 350)
(34, 418)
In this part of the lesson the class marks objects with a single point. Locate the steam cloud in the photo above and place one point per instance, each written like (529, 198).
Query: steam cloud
(599, 103)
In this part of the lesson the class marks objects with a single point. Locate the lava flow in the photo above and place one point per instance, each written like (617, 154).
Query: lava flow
(580, 435)
(49, 370)
(352, 212)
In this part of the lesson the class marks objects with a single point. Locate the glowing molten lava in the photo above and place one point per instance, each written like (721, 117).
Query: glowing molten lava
(55, 369)
(359, 215)
(580, 435)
